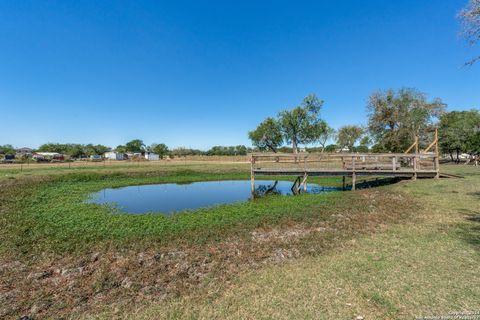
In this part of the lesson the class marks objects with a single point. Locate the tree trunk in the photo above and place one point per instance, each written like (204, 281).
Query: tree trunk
(272, 148)
(294, 146)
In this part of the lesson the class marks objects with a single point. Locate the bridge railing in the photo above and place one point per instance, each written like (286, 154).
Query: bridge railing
(347, 162)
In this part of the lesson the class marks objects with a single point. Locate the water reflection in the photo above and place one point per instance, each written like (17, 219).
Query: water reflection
(173, 198)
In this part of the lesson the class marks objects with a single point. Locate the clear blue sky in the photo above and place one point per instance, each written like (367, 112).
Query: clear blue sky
(203, 73)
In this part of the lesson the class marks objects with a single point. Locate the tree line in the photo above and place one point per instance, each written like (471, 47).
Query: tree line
(395, 119)
(75, 150)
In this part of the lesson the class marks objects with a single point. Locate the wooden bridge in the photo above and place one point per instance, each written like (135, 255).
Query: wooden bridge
(302, 165)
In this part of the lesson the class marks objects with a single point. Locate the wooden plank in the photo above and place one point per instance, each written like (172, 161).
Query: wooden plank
(327, 155)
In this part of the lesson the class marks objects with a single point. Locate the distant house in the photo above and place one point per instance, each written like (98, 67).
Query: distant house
(24, 151)
(152, 156)
(112, 155)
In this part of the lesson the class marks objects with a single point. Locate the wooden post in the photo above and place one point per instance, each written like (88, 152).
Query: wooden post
(354, 175)
(414, 168)
(437, 160)
(416, 144)
(304, 182)
(394, 163)
(343, 183)
(252, 173)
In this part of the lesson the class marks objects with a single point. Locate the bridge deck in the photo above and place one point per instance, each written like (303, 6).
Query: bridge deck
(348, 173)
(424, 165)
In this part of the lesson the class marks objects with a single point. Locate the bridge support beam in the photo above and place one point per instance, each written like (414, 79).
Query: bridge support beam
(304, 182)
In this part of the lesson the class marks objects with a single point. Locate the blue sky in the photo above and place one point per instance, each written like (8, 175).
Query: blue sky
(203, 73)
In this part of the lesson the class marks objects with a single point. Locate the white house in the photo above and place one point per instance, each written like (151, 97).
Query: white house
(152, 156)
(24, 151)
(112, 155)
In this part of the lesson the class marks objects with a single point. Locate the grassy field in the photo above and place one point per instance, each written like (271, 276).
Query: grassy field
(397, 251)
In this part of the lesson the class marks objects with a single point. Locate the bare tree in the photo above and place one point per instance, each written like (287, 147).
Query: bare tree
(470, 17)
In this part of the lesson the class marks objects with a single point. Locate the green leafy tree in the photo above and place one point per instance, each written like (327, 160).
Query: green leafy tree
(101, 149)
(241, 150)
(161, 149)
(348, 136)
(366, 141)
(98, 149)
(302, 125)
(458, 131)
(121, 149)
(135, 145)
(267, 136)
(474, 145)
(470, 17)
(331, 148)
(227, 151)
(7, 149)
(53, 147)
(75, 150)
(326, 133)
(182, 152)
(395, 118)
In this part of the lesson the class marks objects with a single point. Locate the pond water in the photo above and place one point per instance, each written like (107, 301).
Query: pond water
(172, 198)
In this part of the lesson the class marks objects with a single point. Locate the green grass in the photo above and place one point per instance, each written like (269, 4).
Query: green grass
(51, 214)
(427, 266)
(386, 253)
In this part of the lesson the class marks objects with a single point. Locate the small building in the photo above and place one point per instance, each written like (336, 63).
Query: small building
(152, 156)
(24, 151)
(112, 155)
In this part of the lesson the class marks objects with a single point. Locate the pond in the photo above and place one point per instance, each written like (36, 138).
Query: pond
(172, 198)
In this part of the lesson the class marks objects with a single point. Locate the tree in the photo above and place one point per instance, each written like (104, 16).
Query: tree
(364, 146)
(470, 18)
(326, 133)
(365, 141)
(76, 151)
(7, 149)
(227, 151)
(121, 148)
(267, 135)
(348, 136)
(241, 150)
(182, 152)
(98, 149)
(53, 147)
(458, 131)
(395, 118)
(161, 149)
(136, 145)
(302, 125)
(331, 148)
(101, 149)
